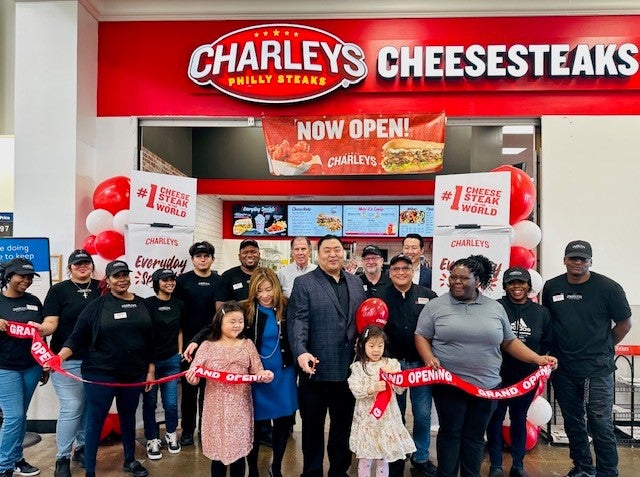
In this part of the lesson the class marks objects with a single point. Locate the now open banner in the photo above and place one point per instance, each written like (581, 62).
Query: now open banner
(355, 144)
(451, 244)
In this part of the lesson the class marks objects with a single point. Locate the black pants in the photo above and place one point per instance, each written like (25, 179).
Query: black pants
(316, 398)
(280, 436)
(236, 469)
(463, 419)
(191, 405)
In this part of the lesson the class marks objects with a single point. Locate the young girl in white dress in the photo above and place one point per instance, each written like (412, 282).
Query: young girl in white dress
(372, 440)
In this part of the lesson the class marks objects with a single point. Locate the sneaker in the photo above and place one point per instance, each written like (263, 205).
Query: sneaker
(63, 467)
(427, 468)
(6, 473)
(171, 438)
(24, 468)
(78, 456)
(186, 439)
(153, 449)
(578, 471)
(496, 472)
(136, 469)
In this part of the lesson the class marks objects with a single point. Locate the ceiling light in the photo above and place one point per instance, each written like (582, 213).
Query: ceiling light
(512, 151)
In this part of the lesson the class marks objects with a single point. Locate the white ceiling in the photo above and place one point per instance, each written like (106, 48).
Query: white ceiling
(264, 9)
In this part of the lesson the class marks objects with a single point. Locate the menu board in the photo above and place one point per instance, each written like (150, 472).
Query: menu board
(370, 220)
(259, 220)
(416, 219)
(315, 220)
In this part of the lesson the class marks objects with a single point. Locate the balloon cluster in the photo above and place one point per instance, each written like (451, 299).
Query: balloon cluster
(526, 235)
(107, 221)
(538, 415)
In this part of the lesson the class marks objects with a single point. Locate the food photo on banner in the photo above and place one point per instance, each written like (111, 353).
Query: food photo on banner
(355, 144)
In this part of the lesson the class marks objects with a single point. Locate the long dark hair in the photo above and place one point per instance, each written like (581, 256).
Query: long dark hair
(259, 276)
(481, 267)
(216, 324)
(369, 332)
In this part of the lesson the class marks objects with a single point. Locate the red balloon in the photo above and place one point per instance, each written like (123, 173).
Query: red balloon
(532, 436)
(523, 193)
(111, 425)
(112, 194)
(89, 244)
(110, 244)
(521, 257)
(372, 311)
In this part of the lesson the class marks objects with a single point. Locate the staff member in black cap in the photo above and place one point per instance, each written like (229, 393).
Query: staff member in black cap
(235, 281)
(531, 323)
(197, 289)
(62, 306)
(405, 301)
(590, 315)
(19, 373)
(166, 314)
(373, 277)
(115, 333)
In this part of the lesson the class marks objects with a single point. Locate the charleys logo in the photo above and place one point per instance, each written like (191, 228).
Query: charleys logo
(277, 63)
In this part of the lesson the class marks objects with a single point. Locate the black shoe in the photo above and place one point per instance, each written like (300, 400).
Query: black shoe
(136, 469)
(78, 456)
(6, 473)
(426, 468)
(495, 472)
(186, 439)
(517, 472)
(63, 467)
(578, 471)
(22, 467)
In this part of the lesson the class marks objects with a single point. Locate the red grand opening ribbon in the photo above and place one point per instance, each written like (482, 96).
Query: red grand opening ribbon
(425, 376)
(43, 355)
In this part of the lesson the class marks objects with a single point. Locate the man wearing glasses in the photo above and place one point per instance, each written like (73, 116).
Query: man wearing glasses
(373, 277)
(405, 301)
(590, 314)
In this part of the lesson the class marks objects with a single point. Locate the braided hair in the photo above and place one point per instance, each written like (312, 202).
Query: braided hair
(481, 267)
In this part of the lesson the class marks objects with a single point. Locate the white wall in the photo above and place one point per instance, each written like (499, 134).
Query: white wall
(6, 177)
(589, 190)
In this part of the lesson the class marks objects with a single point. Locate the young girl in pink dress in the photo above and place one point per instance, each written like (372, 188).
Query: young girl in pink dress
(227, 416)
(372, 440)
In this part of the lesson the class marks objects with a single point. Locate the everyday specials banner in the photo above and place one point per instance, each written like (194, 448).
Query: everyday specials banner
(355, 144)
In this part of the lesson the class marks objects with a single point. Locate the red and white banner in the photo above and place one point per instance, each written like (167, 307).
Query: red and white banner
(355, 144)
(150, 248)
(162, 199)
(479, 199)
(451, 244)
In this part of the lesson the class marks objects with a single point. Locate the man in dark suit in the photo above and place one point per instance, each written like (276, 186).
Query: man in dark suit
(322, 331)
(413, 247)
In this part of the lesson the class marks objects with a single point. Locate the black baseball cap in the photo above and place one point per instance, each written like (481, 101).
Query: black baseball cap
(400, 258)
(202, 247)
(516, 273)
(116, 266)
(19, 266)
(78, 256)
(371, 250)
(163, 274)
(248, 243)
(578, 248)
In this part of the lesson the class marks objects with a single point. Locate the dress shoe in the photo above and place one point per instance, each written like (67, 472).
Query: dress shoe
(186, 439)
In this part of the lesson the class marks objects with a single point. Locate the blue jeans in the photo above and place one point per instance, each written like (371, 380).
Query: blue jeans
(16, 389)
(518, 408)
(72, 417)
(98, 401)
(586, 405)
(169, 392)
(421, 409)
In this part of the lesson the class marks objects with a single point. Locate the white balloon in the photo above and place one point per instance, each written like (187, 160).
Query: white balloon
(120, 220)
(98, 221)
(536, 281)
(99, 264)
(528, 234)
(512, 235)
(539, 412)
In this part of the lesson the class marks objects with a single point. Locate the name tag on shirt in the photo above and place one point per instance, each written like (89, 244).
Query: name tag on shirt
(365, 287)
(423, 300)
(120, 315)
(237, 286)
(32, 308)
(559, 297)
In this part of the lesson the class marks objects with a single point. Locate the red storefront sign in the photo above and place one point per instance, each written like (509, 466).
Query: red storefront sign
(358, 144)
(463, 66)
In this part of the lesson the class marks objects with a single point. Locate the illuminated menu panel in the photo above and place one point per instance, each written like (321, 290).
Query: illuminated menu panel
(315, 220)
(370, 220)
(416, 219)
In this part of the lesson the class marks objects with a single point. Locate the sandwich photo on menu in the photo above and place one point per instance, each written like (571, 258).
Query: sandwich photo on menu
(329, 222)
(406, 156)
